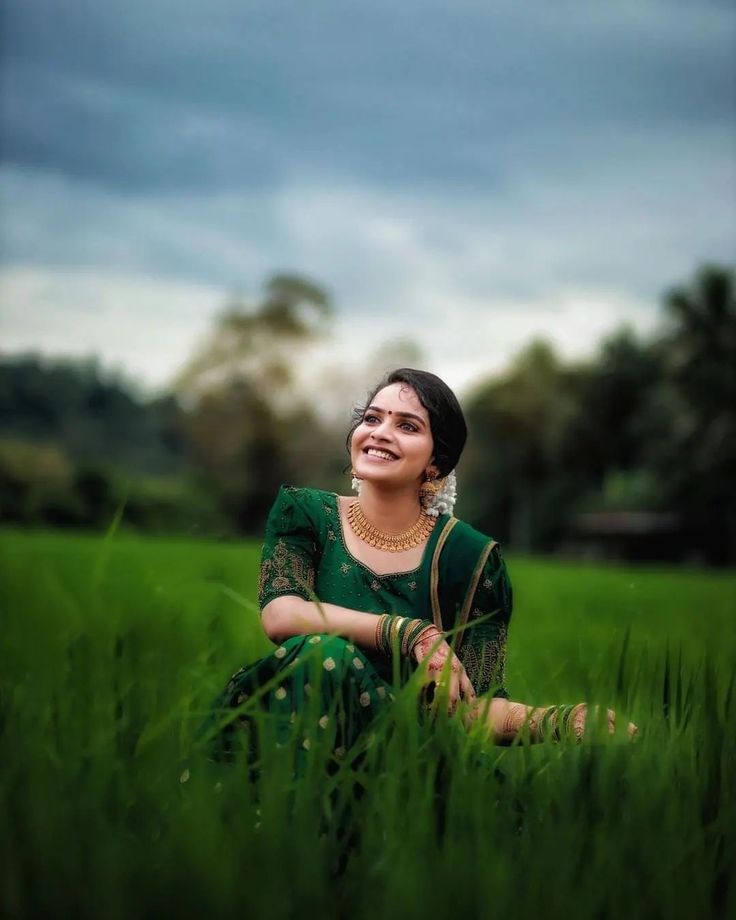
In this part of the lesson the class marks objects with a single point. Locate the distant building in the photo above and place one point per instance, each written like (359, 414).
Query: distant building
(627, 535)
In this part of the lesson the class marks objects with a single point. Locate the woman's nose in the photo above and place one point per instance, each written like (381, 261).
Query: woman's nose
(381, 430)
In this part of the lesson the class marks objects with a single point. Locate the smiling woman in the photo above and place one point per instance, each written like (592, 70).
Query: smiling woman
(348, 584)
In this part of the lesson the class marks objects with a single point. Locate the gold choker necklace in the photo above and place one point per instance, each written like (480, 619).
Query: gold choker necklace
(392, 542)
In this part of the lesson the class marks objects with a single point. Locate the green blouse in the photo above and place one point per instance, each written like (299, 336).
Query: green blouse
(305, 554)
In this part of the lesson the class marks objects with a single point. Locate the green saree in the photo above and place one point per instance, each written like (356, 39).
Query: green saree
(461, 582)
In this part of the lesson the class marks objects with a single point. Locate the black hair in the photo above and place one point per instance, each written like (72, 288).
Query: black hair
(446, 419)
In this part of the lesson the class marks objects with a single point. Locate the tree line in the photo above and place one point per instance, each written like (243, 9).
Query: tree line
(631, 452)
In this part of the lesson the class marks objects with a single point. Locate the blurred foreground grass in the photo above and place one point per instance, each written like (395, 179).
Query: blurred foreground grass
(112, 650)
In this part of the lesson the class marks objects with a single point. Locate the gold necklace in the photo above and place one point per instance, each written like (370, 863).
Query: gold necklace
(392, 542)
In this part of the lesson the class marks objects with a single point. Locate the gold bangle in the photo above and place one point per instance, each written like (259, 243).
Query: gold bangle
(423, 635)
(377, 636)
(411, 633)
(395, 627)
(578, 731)
(537, 720)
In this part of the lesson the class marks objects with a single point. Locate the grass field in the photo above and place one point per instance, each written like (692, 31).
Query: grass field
(113, 648)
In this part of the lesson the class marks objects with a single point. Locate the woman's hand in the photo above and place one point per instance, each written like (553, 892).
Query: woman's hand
(579, 720)
(440, 673)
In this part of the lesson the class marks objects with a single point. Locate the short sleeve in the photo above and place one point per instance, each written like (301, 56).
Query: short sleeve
(483, 649)
(288, 558)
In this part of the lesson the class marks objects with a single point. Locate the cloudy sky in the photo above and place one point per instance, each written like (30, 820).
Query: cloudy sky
(466, 174)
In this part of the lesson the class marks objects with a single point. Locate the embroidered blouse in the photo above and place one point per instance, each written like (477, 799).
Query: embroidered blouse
(305, 554)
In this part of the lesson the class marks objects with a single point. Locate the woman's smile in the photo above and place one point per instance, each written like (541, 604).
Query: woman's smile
(378, 453)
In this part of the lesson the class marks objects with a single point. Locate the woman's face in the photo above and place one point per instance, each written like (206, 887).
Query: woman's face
(393, 444)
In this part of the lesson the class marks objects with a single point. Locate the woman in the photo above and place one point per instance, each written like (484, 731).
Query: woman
(348, 584)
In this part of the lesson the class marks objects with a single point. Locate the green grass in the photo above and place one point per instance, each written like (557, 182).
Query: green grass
(112, 649)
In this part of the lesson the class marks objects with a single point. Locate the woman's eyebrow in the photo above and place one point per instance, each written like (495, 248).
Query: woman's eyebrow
(418, 418)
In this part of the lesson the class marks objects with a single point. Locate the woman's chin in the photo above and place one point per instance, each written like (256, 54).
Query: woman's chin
(381, 477)
(375, 466)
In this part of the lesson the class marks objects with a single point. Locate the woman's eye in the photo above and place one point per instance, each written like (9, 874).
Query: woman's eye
(375, 418)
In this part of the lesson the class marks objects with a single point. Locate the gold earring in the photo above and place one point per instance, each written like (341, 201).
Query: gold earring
(428, 489)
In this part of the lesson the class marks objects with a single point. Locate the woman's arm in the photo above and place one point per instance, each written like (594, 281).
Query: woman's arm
(290, 615)
(506, 718)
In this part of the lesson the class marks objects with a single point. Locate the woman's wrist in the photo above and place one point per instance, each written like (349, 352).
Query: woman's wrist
(545, 722)
(387, 629)
(419, 633)
(557, 722)
(405, 633)
(426, 640)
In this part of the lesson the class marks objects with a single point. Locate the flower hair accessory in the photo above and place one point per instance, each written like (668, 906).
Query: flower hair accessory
(443, 500)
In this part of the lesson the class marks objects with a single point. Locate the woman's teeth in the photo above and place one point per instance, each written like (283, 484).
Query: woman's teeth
(380, 453)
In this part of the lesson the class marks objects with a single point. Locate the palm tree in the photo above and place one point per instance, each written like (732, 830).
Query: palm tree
(702, 341)
(700, 347)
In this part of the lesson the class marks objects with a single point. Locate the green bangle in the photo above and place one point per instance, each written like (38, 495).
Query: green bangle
(396, 628)
(378, 631)
(567, 712)
(408, 636)
(413, 633)
(404, 628)
(386, 634)
(547, 717)
(384, 642)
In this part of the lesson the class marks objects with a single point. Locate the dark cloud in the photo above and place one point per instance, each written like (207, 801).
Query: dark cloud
(516, 161)
(165, 96)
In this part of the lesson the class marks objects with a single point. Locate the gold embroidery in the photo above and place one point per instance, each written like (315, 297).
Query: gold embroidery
(345, 568)
(285, 571)
(480, 565)
(413, 585)
(435, 572)
(484, 660)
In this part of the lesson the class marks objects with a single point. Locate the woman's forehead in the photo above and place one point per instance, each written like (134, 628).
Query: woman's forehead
(399, 397)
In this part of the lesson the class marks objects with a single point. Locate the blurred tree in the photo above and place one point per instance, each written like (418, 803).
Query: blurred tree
(701, 341)
(642, 425)
(259, 344)
(612, 421)
(91, 415)
(550, 439)
(235, 441)
(31, 476)
(699, 468)
(518, 424)
(247, 417)
(621, 418)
